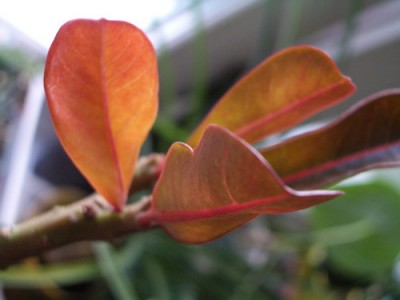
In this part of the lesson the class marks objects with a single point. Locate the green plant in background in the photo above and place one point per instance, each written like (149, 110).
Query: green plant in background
(364, 240)
(103, 107)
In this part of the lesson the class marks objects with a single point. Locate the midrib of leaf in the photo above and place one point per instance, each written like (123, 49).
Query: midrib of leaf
(191, 215)
(349, 159)
(107, 120)
(270, 118)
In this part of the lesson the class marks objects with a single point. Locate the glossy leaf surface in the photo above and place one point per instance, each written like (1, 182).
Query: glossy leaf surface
(366, 137)
(101, 84)
(282, 91)
(220, 185)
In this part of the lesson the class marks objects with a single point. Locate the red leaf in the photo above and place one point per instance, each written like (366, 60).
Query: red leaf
(220, 185)
(101, 84)
(284, 90)
(366, 137)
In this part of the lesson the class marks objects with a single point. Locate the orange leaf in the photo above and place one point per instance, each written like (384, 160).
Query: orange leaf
(220, 185)
(101, 84)
(284, 90)
(366, 137)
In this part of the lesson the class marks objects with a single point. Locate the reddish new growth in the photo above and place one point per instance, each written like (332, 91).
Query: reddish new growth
(101, 83)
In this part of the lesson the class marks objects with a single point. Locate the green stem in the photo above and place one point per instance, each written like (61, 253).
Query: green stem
(169, 130)
(45, 276)
(200, 66)
(68, 273)
(344, 54)
(291, 20)
(160, 284)
(117, 282)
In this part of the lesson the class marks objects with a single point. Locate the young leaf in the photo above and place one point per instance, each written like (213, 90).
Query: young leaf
(220, 185)
(284, 90)
(101, 84)
(366, 137)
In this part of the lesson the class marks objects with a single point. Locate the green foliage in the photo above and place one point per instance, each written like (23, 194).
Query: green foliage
(374, 248)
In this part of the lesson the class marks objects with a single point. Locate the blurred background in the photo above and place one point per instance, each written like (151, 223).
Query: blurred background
(345, 249)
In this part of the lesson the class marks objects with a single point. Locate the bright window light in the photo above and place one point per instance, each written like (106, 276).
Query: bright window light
(40, 19)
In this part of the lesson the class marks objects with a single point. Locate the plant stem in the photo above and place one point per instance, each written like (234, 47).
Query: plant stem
(147, 171)
(87, 220)
(90, 219)
(119, 285)
(291, 20)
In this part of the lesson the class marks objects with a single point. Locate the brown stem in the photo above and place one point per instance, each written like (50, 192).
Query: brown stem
(87, 220)
(148, 169)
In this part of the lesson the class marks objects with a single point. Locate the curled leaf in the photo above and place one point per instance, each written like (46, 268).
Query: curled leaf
(220, 185)
(366, 137)
(284, 90)
(101, 84)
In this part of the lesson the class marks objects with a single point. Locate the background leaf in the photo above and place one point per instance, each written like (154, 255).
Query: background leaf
(101, 83)
(220, 185)
(284, 90)
(371, 257)
(366, 137)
